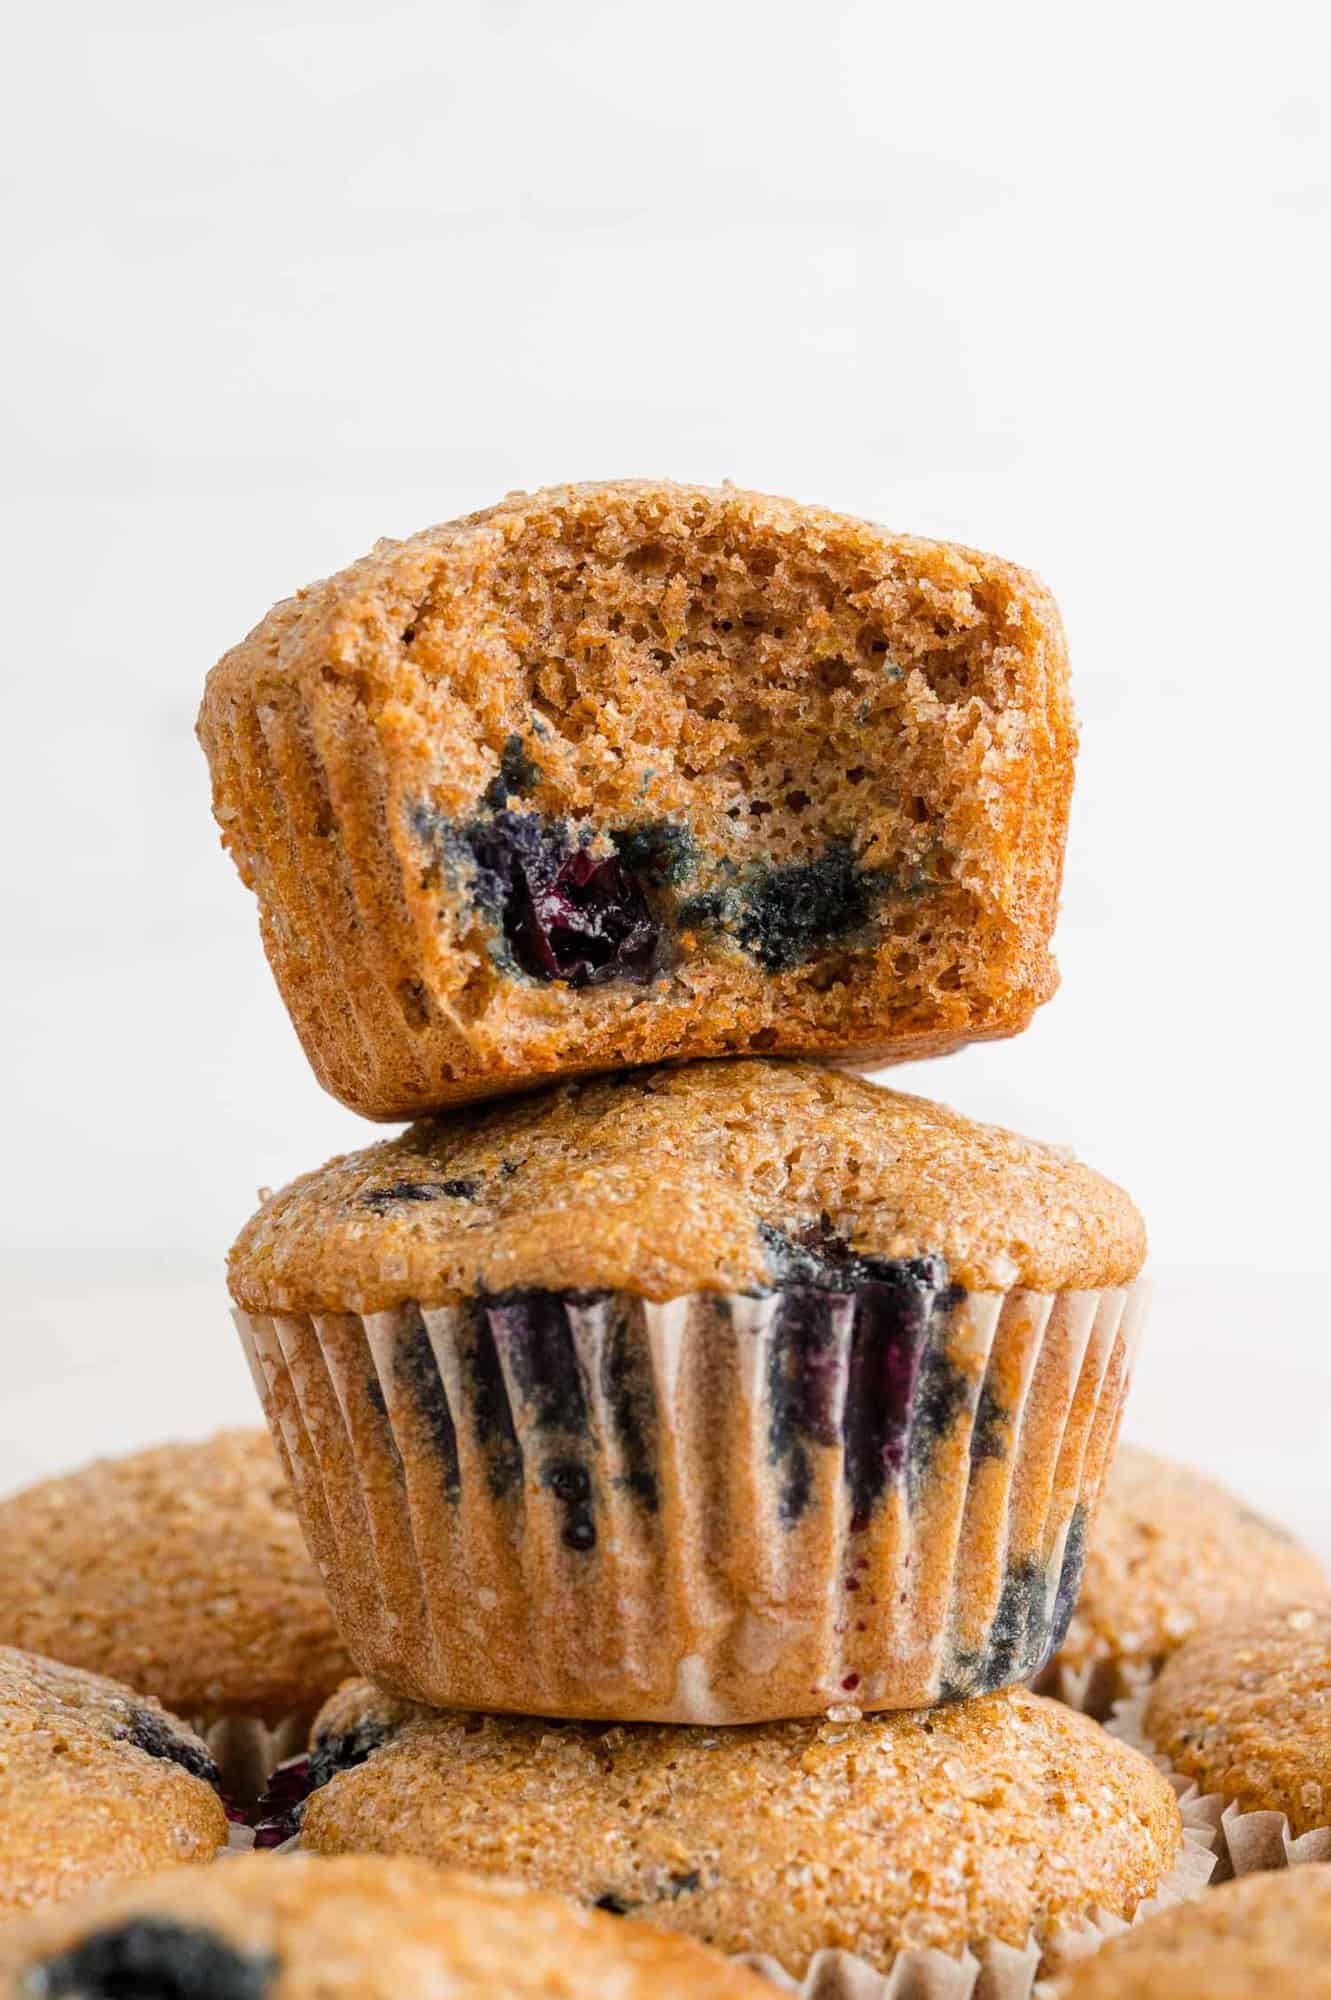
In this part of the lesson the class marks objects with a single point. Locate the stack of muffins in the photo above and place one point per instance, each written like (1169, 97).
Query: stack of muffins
(710, 1408)
(699, 1443)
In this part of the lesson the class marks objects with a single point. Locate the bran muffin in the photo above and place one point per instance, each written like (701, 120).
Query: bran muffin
(1268, 1935)
(978, 1824)
(702, 1394)
(181, 1571)
(378, 1930)
(1243, 1710)
(613, 774)
(96, 1783)
(1171, 1551)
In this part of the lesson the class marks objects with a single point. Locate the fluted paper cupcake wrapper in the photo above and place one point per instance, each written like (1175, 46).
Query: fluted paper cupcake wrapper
(1098, 1686)
(989, 1971)
(1246, 1842)
(719, 1509)
(247, 1751)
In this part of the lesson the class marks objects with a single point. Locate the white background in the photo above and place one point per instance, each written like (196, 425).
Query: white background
(1053, 279)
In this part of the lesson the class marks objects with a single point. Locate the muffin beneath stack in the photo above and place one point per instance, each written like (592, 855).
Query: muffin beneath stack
(1243, 1713)
(181, 1571)
(96, 1783)
(382, 1930)
(1268, 1936)
(992, 1828)
(702, 1394)
(613, 774)
(1171, 1551)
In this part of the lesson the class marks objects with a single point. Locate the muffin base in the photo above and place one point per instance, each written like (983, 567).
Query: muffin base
(989, 1971)
(721, 1509)
(1246, 1842)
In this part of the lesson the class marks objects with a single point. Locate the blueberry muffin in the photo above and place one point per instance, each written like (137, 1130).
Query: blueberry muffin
(181, 1571)
(1269, 1935)
(1171, 1551)
(96, 1783)
(700, 1394)
(381, 1930)
(987, 1822)
(1244, 1711)
(611, 774)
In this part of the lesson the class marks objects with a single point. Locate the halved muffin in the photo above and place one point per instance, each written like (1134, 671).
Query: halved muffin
(619, 773)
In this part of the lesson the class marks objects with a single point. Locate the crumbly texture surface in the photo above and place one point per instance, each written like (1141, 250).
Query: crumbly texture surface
(988, 1819)
(1171, 1551)
(1269, 1934)
(675, 1180)
(96, 1783)
(1245, 1709)
(180, 1570)
(618, 773)
(311, 1929)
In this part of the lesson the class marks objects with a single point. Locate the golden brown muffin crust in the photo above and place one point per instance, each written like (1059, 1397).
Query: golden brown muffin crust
(180, 1570)
(661, 1183)
(771, 684)
(1245, 1709)
(80, 1801)
(1268, 1935)
(1171, 1551)
(388, 1930)
(987, 1819)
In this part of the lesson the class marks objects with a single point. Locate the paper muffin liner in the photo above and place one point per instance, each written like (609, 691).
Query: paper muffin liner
(719, 1509)
(1246, 1842)
(247, 1751)
(1097, 1686)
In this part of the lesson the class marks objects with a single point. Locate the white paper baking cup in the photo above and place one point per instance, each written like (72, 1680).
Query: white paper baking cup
(1246, 1842)
(1097, 1686)
(247, 1751)
(720, 1509)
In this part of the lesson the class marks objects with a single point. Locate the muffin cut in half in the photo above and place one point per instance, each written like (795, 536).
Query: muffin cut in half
(612, 774)
(310, 1929)
(699, 1394)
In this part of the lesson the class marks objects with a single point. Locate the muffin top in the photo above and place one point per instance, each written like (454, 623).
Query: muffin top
(96, 1782)
(312, 1929)
(1171, 1551)
(1269, 1934)
(180, 1570)
(988, 1819)
(724, 1176)
(1245, 1709)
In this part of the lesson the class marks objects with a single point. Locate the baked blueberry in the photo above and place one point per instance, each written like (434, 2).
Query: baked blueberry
(639, 771)
(153, 1959)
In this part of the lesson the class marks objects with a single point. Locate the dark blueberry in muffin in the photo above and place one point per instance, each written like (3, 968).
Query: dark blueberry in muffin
(566, 913)
(382, 1199)
(659, 851)
(152, 1959)
(517, 773)
(793, 908)
(814, 1253)
(278, 1815)
(148, 1731)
